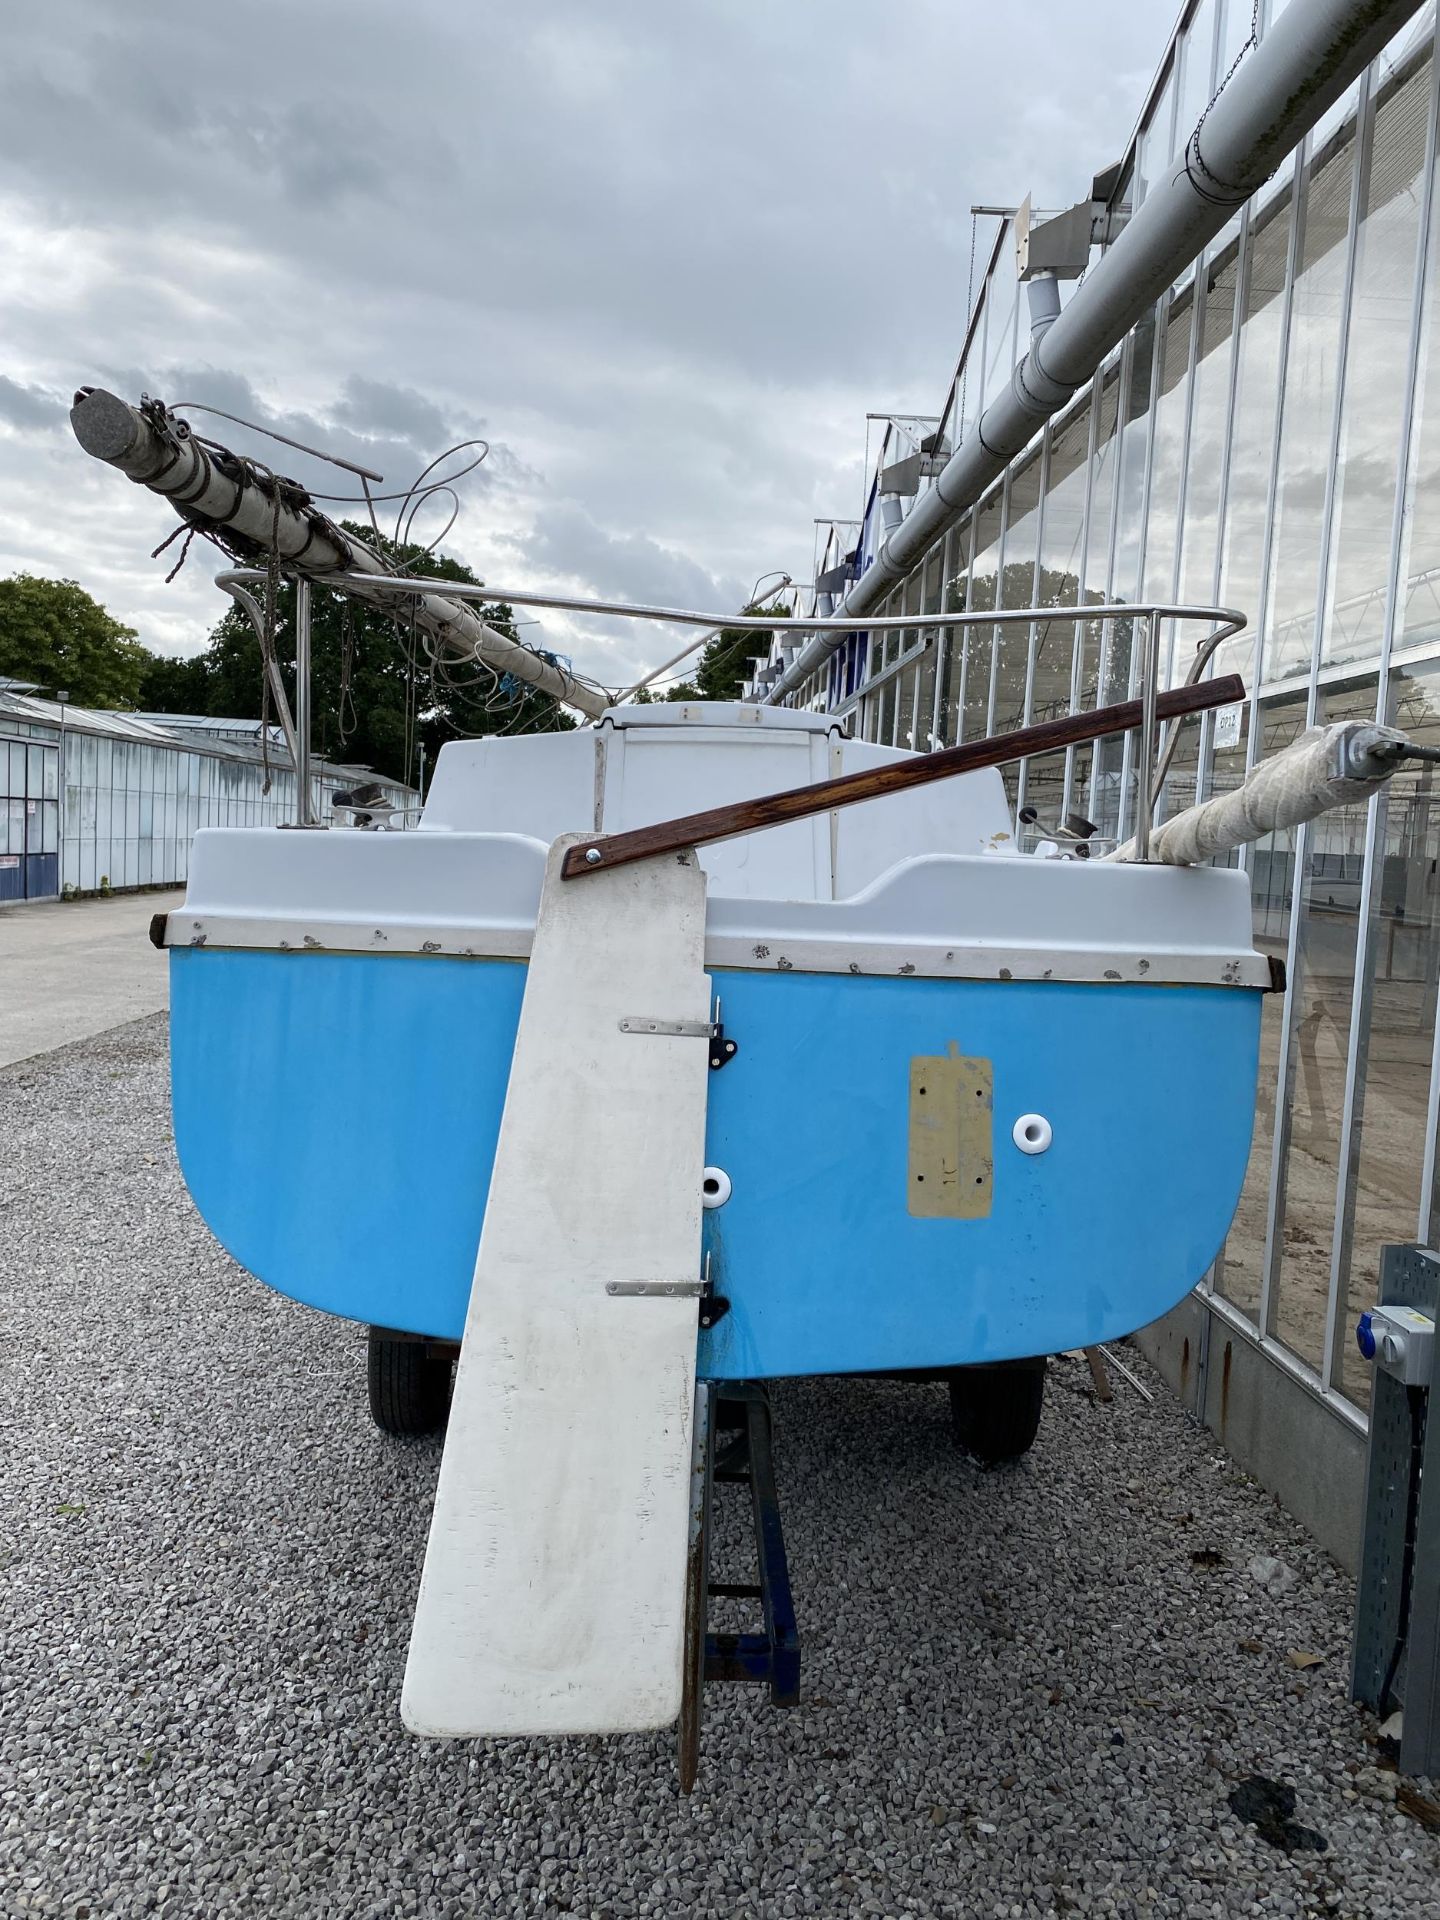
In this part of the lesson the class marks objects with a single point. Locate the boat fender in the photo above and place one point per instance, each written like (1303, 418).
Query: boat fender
(715, 1187)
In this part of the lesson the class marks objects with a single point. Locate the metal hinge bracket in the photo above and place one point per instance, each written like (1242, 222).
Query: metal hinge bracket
(669, 1029)
(722, 1050)
(656, 1289)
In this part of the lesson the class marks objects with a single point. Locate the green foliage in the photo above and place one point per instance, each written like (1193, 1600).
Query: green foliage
(393, 701)
(682, 690)
(54, 634)
(724, 666)
(174, 686)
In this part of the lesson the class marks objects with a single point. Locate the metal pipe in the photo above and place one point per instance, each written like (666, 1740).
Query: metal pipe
(1279, 91)
(304, 811)
(694, 646)
(208, 488)
(250, 607)
(1043, 297)
(1233, 621)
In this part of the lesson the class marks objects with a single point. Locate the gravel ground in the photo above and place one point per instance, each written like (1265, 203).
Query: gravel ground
(1025, 1692)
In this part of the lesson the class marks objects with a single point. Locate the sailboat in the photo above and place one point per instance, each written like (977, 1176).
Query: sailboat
(700, 1045)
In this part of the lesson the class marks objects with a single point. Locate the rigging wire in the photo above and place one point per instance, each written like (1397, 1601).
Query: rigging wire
(497, 695)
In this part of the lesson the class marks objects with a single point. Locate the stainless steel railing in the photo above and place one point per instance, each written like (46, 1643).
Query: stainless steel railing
(1154, 759)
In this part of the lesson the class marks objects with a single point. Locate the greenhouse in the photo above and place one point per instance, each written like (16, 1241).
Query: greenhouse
(99, 802)
(1266, 438)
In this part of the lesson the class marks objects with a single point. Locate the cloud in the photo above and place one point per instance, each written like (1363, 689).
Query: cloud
(566, 541)
(377, 405)
(29, 407)
(664, 257)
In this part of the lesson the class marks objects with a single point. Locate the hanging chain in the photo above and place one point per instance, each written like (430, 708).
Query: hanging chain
(1193, 158)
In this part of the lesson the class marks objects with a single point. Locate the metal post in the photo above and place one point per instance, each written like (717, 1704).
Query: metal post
(970, 532)
(697, 1585)
(1205, 753)
(1077, 642)
(781, 1635)
(1032, 636)
(1144, 785)
(1357, 1061)
(944, 643)
(1145, 423)
(304, 812)
(1363, 997)
(1298, 953)
(1001, 539)
(62, 696)
(1123, 376)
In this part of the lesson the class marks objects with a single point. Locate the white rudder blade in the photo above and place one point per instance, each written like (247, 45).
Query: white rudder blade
(552, 1598)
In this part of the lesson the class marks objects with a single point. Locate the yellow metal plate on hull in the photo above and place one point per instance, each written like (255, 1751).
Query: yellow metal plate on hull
(952, 1156)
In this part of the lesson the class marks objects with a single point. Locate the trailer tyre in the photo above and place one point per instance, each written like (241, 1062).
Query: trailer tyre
(995, 1410)
(409, 1384)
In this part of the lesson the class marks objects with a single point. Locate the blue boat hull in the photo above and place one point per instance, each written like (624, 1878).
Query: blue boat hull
(336, 1118)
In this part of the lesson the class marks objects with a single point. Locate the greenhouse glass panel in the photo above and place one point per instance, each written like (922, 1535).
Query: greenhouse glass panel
(1168, 449)
(1017, 591)
(1116, 649)
(1418, 618)
(1391, 1118)
(1252, 434)
(1357, 591)
(984, 589)
(1272, 880)
(1307, 425)
(1320, 995)
(1001, 320)
(1209, 405)
(1195, 56)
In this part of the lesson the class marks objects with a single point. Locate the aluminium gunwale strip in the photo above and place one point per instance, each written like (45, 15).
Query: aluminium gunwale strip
(748, 952)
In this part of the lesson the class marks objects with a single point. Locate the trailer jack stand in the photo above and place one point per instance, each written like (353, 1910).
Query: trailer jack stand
(732, 1446)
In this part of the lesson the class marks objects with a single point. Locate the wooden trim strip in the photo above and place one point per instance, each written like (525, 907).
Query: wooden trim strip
(799, 803)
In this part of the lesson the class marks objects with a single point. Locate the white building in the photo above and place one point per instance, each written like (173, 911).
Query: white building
(96, 802)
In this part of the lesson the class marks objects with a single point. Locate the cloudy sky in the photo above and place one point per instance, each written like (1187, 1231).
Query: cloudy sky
(665, 254)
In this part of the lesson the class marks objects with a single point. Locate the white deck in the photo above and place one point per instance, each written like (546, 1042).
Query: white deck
(926, 881)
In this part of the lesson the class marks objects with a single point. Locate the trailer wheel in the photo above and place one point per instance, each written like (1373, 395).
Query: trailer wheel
(995, 1410)
(409, 1383)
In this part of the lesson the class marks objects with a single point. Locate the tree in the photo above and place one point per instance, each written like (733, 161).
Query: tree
(682, 690)
(724, 666)
(375, 695)
(54, 634)
(175, 686)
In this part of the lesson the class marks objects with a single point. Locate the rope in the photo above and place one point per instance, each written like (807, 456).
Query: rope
(189, 532)
(267, 635)
(500, 699)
